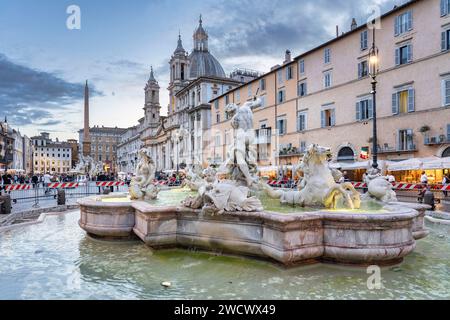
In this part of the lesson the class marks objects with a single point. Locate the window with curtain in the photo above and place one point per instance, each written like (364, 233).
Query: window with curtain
(403, 101)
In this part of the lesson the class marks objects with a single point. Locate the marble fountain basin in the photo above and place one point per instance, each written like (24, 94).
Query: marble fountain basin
(381, 237)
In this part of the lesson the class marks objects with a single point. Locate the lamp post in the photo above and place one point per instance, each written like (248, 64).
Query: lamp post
(373, 71)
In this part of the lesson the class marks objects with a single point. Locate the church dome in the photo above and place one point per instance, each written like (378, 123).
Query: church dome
(203, 63)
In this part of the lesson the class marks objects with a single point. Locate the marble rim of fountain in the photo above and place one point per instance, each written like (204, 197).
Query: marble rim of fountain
(107, 220)
(290, 239)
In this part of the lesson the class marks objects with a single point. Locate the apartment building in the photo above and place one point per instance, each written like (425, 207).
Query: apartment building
(54, 157)
(324, 95)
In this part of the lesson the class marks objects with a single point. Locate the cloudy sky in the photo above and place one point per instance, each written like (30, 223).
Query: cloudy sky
(43, 64)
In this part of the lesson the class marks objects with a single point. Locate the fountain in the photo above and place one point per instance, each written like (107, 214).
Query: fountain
(328, 222)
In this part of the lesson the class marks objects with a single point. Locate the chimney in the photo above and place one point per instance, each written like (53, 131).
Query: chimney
(287, 57)
(354, 25)
(337, 31)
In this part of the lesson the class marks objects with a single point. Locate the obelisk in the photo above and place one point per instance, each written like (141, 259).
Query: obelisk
(86, 135)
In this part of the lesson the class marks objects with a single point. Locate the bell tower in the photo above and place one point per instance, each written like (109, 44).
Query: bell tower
(179, 73)
(152, 107)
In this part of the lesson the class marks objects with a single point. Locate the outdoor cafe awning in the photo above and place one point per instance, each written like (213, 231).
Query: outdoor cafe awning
(438, 164)
(411, 164)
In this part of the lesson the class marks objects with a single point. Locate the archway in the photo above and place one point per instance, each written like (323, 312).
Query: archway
(346, 154)
(446, 152)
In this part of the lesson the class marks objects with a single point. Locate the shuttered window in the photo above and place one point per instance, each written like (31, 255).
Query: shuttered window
(328, 118)
(445, 40)
(301, 89)
(301, 121)
(327, 55)
(403, 23)
(445, 7)
(403, 101)
(364, 109)
(403, 54)
(364, 40)
(302, 66)
(446, 92)
(363, 70)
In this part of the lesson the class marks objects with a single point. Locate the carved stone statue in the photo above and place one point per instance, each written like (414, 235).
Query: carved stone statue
(378, 186)
(241, 164)
(240, 168)
(194, 177)
(141, 186)
(318, 188)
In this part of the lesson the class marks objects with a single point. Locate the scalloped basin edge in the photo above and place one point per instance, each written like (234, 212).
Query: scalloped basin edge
(289, 239)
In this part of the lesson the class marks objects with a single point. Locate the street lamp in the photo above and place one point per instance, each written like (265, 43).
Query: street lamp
(373, 71)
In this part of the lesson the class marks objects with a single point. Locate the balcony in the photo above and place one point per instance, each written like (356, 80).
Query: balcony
(385, 149)
(436, 140)
(291, 152)
(263, 136)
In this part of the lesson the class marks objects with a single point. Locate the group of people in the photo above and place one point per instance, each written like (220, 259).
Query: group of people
(424, 181)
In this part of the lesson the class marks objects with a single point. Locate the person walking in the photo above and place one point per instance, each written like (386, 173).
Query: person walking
(424, 178)
(34, 181)
(47, 180)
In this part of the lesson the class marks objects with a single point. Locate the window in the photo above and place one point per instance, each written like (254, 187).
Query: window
(301, 66)
(327, 79)
(238, 95)
(327, 55)
(328, 118)
(363, 69)
(217, 117)
(403, 23)
(301, 89)
(364, 109)
(405, 140)
(446, 92)
(216, 104)
(445, 7)
(280, 76)
(445, 40)
(249, 88)
(281, 96)
(262, 84)
(403, 54)
(227, 99)
(301, 121)
(289, 75)
(281, 125)
(364, 40)
(217, 140)
(403, 101)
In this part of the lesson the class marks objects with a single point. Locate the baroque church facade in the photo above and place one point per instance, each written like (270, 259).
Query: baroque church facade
(183, 138)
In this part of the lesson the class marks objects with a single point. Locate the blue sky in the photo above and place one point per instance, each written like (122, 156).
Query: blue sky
(43, 65)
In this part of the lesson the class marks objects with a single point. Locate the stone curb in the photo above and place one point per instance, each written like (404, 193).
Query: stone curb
(40, 213)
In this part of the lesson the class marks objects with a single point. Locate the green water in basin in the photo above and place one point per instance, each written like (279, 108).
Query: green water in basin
(56, 260)
(174, 197)
(170, 197)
